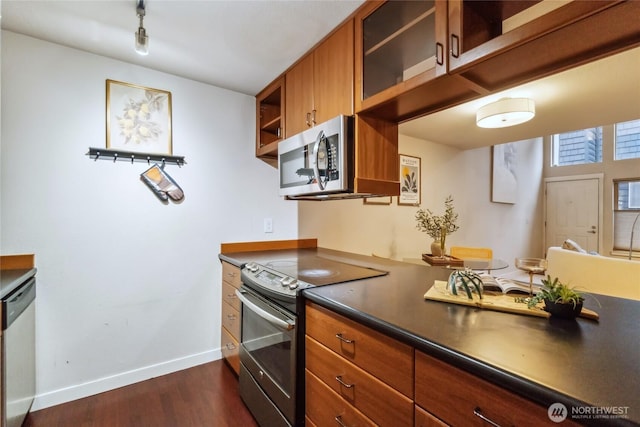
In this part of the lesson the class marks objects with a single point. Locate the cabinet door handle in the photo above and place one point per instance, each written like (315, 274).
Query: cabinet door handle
(439, 53)
(313, 117)
(344, 340)
(231, 316)
(342, 383)
(230, 346)
(231, 274)
(231, 296)
(339, 421)
(478, 413)
(308, 120)
(455, 45)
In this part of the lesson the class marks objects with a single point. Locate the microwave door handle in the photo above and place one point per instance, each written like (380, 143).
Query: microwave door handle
(264, 314)
(316, 150)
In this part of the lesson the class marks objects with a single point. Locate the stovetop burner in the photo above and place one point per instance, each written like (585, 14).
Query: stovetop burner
(320, 271)
(286, 277)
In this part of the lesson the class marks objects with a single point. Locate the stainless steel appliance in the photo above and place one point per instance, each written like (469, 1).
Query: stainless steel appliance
(318, 164)
(18, 353)
(272, 343)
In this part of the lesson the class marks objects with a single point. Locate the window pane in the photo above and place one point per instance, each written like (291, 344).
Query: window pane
(577, 147)
(628, 210)
(628, 140)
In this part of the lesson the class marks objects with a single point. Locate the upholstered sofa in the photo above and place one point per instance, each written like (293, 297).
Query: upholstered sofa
(595, 273)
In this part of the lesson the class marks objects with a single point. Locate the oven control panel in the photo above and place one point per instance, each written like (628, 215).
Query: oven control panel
(274, 281)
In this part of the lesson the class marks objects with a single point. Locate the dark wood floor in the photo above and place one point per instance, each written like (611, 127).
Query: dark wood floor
(206, 395)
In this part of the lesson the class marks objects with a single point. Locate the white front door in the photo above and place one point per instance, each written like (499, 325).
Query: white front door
(573, 207)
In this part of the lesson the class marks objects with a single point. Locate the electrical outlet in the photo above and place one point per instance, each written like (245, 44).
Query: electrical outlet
(268, 225)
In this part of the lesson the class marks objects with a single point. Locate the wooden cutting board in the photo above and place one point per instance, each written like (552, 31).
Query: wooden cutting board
(494, 301)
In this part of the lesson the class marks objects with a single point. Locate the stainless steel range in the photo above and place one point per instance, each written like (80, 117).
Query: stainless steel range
(271, 351)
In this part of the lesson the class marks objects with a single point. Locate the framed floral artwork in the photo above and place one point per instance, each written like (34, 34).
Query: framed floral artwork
(138, 118)
(410, 184)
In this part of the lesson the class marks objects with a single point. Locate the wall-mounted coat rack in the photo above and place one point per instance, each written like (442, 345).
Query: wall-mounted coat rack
(115, 155)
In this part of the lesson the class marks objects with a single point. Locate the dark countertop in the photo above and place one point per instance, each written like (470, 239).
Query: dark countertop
(580, 363)
(11, 279)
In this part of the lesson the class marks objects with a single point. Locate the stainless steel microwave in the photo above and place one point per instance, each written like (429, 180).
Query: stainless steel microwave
(317, 164)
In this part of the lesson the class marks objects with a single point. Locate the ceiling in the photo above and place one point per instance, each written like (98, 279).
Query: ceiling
(244, 45)
(239, 45)
(600, 93)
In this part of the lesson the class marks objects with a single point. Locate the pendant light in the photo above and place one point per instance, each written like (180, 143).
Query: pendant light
(505, 112)
(142, 40)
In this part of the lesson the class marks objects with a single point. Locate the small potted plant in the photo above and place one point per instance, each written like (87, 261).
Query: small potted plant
(559, 299)
(438, 226)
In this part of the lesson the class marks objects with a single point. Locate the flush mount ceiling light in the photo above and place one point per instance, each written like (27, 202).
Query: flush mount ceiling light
(506, 112)
(142, 40)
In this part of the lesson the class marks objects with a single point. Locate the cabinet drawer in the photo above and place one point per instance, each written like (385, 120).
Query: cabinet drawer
(229, 296)
(231, 320)
(231, 274)
(324, 408)
(453, 395)
(383, 404)
(425, 419)
(387, 359)
(230, 349)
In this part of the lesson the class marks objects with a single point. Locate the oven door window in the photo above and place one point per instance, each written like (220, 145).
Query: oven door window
(269, 343)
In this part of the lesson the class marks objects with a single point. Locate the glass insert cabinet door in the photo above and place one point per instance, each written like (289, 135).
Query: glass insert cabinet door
(398, 43)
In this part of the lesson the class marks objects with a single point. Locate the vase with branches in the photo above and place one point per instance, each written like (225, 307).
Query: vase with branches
(438, 227)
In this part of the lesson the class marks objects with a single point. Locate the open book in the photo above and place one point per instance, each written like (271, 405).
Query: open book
(506, 284)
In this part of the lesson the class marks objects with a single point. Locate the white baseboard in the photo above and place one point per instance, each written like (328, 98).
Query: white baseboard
(101, 385)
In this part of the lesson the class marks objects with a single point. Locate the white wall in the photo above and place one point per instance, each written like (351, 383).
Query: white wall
(512, 230)
(128, 288)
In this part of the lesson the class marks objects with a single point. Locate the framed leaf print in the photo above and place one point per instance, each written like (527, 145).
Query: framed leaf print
(138, 118)
(410, 181)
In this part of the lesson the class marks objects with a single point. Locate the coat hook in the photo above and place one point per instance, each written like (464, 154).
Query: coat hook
(163, 163)
(133, 156)
(97, 156)
(115, 157)
(148, 160)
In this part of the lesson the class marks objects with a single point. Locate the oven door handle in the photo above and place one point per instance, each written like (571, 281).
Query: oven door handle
(282, 324)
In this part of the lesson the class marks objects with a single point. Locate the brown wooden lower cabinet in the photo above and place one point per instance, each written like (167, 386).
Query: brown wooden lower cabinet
(342, 389)
(326, 408)
(379, 401)
(231, 316)
(425, 419)
(230, 350)
(460, 398)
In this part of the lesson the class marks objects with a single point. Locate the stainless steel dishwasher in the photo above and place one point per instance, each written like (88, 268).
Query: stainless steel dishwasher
(18, 353)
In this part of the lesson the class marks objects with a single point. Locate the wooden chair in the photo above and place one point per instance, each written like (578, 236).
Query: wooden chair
(471, 253)
(466, 252)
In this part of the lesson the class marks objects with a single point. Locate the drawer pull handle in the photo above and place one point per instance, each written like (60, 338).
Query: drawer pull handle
(230, 346)
(478, 413)
(344, 340)
(339, 421)
(231, 296)
(231, 316)
(342, 383)
(231, 274)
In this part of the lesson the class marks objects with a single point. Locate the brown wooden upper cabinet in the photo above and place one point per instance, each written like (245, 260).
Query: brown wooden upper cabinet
(399, 46)
(499, 44)
(415, 58)
(320, 86)
(270, 121)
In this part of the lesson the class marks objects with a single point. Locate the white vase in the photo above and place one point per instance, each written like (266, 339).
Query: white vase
(436, 250)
